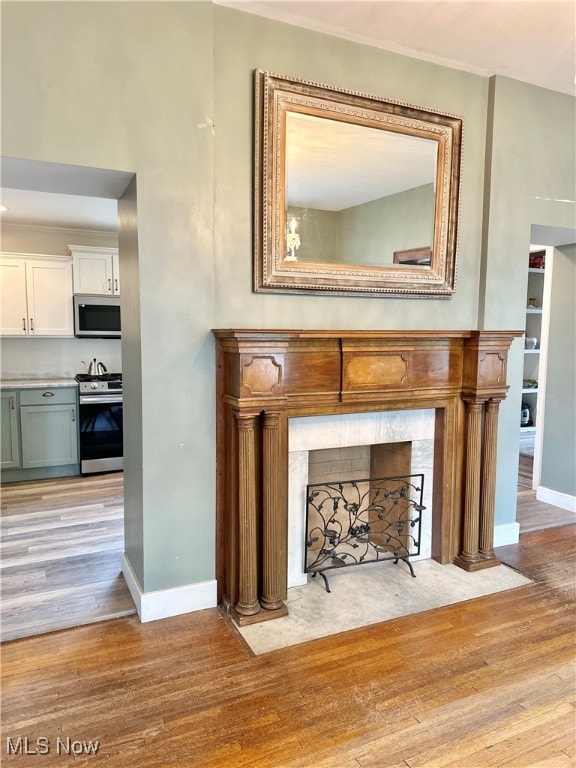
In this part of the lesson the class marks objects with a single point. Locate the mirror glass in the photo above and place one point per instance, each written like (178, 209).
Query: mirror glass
(353, 193)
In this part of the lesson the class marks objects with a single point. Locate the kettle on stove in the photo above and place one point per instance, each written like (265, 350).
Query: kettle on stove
(95, 368)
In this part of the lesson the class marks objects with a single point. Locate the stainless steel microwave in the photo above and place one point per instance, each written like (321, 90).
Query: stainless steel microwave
(97, 316)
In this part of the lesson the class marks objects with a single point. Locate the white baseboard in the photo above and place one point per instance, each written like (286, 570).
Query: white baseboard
(507, 533)
(562, 500)
(163, 603)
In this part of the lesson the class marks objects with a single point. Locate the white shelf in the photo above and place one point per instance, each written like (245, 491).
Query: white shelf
(537, 325)
(532, 364)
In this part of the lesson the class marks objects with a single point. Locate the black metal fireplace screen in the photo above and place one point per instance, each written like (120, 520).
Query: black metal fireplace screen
(351, 522)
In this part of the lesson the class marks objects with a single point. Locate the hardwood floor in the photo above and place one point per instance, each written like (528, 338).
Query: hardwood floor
(531, 514)
(61, 546)
(485, 683)
(525, 470)
(62, 541)
(534, 515)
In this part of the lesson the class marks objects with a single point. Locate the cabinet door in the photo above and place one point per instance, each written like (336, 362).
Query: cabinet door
(49, 291)
(10, 450)
(93, 273)
(116, 274)
(49, 435)
(13, 308)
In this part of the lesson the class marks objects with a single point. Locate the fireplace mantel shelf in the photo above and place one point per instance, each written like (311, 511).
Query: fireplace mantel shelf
(307, 333)
(265, 377)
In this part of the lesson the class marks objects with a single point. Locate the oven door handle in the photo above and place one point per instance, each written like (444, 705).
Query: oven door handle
(100, 400)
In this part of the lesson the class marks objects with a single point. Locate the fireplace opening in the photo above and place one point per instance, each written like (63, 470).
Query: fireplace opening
(354, 447)
(351, 522)
(327, 465)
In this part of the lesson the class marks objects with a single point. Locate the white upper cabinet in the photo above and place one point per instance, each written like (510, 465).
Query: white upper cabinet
(36, 296)
(14, 305)
(96, 270)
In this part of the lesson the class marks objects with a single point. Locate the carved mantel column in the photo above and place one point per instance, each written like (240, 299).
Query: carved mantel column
(480, 485)
(272, 578)
(483, 387)
(489, 481)
(470, 554)
(247, 604)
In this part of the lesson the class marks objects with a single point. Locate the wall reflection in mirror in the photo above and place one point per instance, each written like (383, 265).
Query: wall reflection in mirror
(356, 195)
(352, 193)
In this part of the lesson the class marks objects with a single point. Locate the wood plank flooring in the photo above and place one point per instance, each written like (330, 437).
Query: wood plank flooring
(525, 470)
(61, 554)
(534, 515)
(62, 543)
(531, 514)
(487, 683)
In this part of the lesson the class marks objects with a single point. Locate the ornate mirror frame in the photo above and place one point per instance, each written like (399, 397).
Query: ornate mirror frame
(275, 96)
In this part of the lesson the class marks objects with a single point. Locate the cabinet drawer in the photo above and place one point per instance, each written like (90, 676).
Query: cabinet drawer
(47, 396)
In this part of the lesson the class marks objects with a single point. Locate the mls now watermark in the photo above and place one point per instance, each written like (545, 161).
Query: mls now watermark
(23, 745)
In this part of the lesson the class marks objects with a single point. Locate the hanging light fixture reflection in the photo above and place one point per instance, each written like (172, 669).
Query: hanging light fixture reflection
(292, 242)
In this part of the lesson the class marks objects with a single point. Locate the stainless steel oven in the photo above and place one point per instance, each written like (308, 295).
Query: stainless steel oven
(100, 422)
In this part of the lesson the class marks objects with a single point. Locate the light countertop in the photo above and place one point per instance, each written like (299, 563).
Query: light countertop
(38, 383)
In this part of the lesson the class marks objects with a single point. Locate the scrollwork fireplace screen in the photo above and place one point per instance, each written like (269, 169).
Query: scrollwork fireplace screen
(351, 522)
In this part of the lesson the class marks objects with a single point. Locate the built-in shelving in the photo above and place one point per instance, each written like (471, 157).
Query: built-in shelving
(534, 368)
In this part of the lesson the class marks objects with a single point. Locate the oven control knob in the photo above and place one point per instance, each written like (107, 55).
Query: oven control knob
(94, 385)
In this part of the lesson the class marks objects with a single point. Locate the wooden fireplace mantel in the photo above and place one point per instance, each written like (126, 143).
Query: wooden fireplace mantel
(265, 377)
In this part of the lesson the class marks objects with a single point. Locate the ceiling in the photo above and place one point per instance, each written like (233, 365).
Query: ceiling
(55, 210)
(333, 165)
(529, 40)
(58, 195)
(532, 41)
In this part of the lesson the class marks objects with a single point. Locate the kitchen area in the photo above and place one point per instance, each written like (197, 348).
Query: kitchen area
(61, 364)
(62, 428)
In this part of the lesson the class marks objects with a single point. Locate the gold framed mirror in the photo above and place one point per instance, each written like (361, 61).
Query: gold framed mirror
(353, 194)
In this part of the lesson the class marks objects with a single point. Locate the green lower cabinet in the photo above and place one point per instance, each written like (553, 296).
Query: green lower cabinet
(39, 433)
(49, 435)
(10, 450)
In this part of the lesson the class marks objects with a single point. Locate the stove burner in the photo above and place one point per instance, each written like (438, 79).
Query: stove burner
(101, 377)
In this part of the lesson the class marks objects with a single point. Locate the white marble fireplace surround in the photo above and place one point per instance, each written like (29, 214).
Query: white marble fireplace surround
(354, 429)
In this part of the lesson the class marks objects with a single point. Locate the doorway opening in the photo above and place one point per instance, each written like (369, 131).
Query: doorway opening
(537, 506)
(63, 536)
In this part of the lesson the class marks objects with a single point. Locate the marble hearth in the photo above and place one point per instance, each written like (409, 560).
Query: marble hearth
(268, 380)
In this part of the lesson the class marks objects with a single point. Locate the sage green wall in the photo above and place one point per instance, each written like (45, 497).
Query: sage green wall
(530, 165)
(318, 233)
(245, 42)
(124, 86)
(370, 233)
(52, 241)
(136, 523)
(559, 456)
(127, 86)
